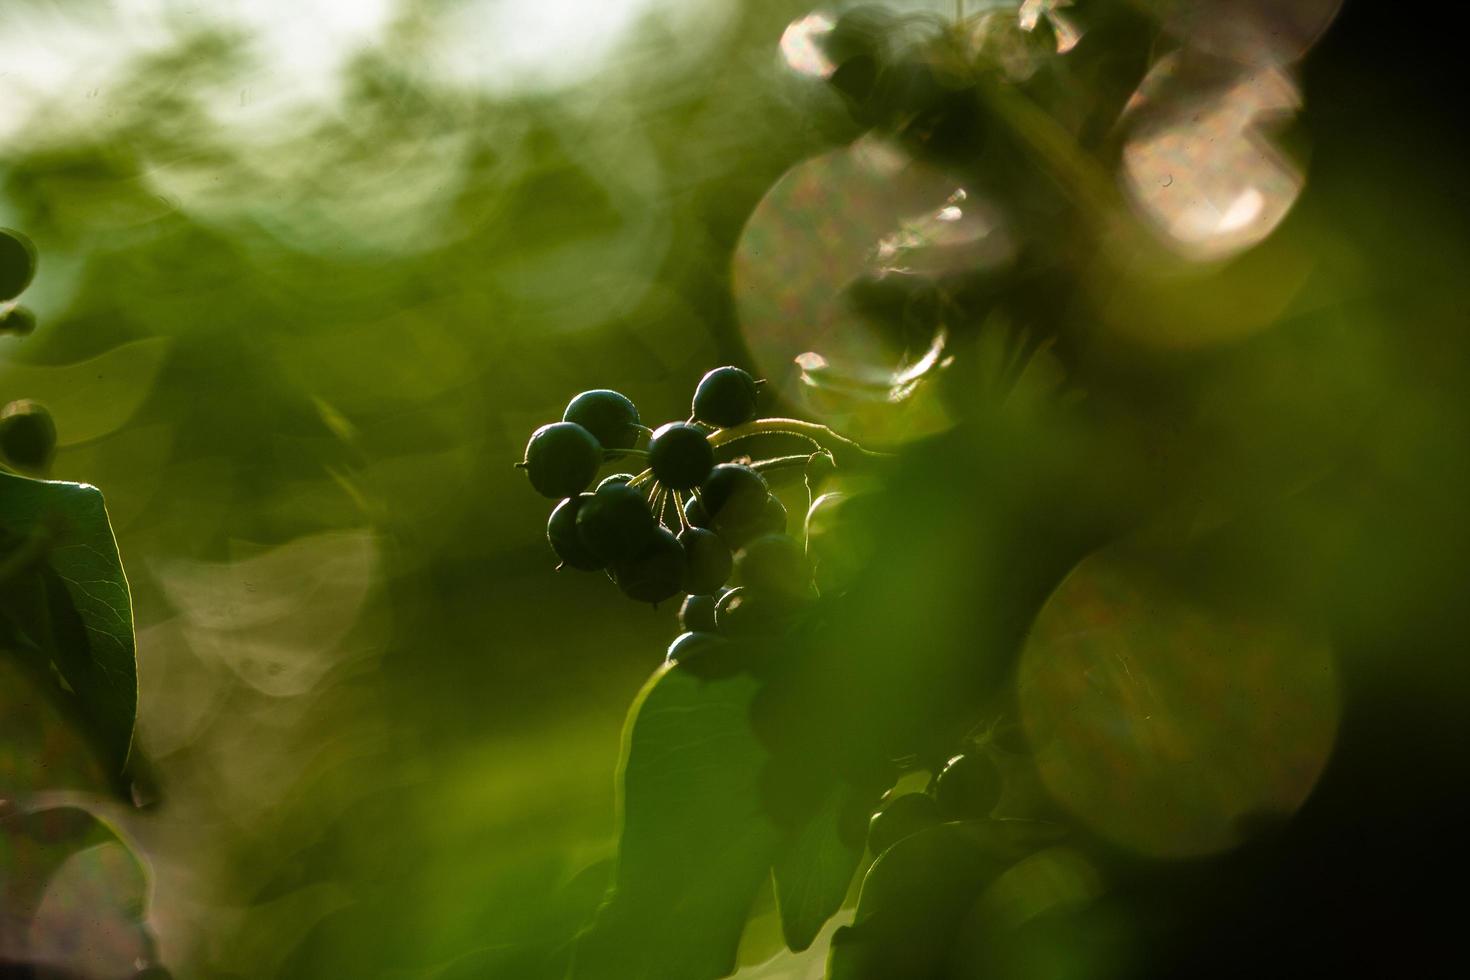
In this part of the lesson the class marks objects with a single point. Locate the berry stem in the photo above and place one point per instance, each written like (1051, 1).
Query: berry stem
(641, 478)
(780, 462)
(679, 508)
(608, 454)
(813, 432)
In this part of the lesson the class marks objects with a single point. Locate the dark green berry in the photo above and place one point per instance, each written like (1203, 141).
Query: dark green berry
(726, 396)
(708, 558)
(968, 787)
(771, 521)
(741, 612)
(656, 573)
(27, 435)
(561, 532)
(839, 540)
(19, 321)
(734, 495)
(695, 513)
(773, 517)
(900, 817)
(680, 455)
(562, 459)
(615, 478)
(612, 418)
(693, 644)
(17, 264)
(776, 564)
(697, 614)
(615, 525)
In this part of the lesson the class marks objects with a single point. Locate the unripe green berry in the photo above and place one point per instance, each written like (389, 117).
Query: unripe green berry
(900, 817)
(692, 645)
(615, 525)
(708, 560)
(695, 513)
(725, 397)
(734, 495)
(657, 573)
(27, 435)
(562, 459)
(561, 532)
(615, 478)
(775, 564)
(19, 321)
(968, 788)
(17, 263)
(741, 612)
(839, 540)
(611, 417)
(772, 520)
(680, 456)
(697, 613)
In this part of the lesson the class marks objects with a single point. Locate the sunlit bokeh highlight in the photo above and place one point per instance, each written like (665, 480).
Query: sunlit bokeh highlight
(1169, 723)
(1200, 165)
(858, 215)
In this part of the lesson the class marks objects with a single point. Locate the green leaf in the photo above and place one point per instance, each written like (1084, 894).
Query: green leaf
(814, 869)
(695, 843)
(65, 606)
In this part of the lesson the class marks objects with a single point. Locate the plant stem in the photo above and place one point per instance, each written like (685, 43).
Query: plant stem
(679, 507)
(813, 432)
(781, 462)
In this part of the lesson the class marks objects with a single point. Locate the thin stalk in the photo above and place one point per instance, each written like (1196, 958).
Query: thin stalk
(819, 435)
(781, 462)
(679, 507)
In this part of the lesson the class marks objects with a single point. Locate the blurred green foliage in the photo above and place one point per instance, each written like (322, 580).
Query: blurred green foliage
(310, 277)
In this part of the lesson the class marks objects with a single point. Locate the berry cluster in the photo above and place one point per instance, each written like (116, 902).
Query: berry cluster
(27, 432)
(688, 523)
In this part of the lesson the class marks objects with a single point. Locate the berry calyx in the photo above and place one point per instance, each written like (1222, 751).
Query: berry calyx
(657, 573)
(697, 613)
(725, 397)
(615, 525)
(775, 564)
(733, 495)
(968, 787)
(17, 264)
(27, 435)
(610, 416)
(561, 532)
(680, 456)
(708, 559)
(562, 459)
(902, 816)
